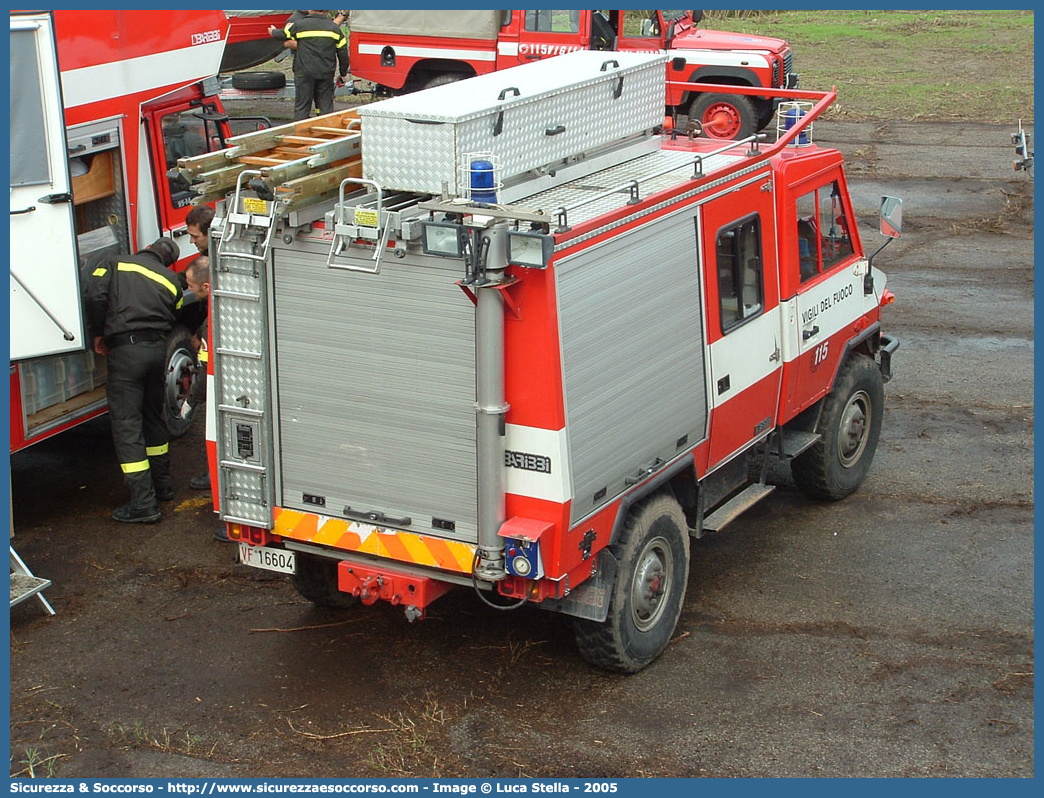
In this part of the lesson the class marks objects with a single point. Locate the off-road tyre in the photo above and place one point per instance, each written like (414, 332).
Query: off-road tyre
(724, 116)
(850, 426)
(316, 580)
(183, 369)
(256, 81)
(646, 600)
(765, 113)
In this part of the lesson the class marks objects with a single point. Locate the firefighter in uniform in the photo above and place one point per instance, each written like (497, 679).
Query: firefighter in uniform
(321, 49)
(131, 303)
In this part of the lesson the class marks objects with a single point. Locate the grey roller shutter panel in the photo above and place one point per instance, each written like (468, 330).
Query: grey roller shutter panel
(376, 377)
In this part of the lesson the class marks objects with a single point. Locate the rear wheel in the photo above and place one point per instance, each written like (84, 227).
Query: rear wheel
(316, 580)
(182, 370)
(850, 426)
(724, 116)
(443, 79)
(653, 555)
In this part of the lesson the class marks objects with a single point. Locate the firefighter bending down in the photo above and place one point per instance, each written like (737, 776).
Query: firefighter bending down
(131, 304)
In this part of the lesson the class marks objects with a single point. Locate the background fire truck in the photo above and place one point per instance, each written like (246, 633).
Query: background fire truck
(410, 50)
(528, 345)
(103, 103)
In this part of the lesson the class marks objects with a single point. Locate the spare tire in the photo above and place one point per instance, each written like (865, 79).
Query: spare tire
(183, 368)
(255, 81)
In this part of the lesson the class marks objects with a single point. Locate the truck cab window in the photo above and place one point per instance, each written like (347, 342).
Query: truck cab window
(548, 21)
(823, 237)
(740, 282)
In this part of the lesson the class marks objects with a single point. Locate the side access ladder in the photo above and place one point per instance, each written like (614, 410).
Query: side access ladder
(242, 373)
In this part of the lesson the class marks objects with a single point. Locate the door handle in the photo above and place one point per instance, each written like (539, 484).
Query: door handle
(806, 334)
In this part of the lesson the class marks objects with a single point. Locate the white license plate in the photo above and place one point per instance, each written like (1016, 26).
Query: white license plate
(270, 559)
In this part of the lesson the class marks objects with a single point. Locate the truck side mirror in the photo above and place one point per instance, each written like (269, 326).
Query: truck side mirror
(891, 217)
(892, 227)
(697, 17)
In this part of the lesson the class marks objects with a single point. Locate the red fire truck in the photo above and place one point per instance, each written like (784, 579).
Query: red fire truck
(103, 103)
(535, 345)
(410, 50)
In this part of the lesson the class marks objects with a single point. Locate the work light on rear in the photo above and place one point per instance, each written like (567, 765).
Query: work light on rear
(532, 250)
(442, 239)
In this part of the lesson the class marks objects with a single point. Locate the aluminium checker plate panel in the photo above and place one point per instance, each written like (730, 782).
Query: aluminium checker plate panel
(530, 116)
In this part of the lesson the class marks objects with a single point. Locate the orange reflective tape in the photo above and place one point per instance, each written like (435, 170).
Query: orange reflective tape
(406, 547)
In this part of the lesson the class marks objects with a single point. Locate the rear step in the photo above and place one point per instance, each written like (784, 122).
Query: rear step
(735, 506)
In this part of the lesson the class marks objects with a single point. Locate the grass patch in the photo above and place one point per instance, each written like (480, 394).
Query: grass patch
(37, 765)
(181, 743)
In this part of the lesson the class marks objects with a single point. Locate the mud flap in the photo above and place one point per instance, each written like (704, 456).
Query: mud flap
(590, 600)
(888, 347)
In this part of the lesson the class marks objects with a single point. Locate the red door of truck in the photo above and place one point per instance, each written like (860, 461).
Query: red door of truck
(182, 126)
(738, 246)
(823, 282)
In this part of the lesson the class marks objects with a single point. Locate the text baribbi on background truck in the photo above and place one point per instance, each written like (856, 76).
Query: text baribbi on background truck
(103, 103)
(529, 345)
(403, 51)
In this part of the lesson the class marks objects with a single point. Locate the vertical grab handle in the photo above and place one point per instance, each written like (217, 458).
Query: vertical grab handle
(498, 126)
(618, 83)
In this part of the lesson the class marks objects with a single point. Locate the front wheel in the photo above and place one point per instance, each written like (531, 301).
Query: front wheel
(646, 601)
(182, 371)
(850, 426)
(723, 116)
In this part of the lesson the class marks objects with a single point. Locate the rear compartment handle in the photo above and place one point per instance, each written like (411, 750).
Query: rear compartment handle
(605, 64)
(644, 471)
(554, 131)
(30, 209)
(376, 517)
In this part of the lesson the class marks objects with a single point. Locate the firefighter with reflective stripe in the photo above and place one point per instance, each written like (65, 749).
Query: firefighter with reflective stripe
(131, 304)
(321, 50)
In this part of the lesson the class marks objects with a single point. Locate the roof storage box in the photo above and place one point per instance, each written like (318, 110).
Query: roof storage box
(528, 117)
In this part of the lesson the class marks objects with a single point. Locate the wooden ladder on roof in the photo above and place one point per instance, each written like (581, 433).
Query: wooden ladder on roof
(300, 163)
